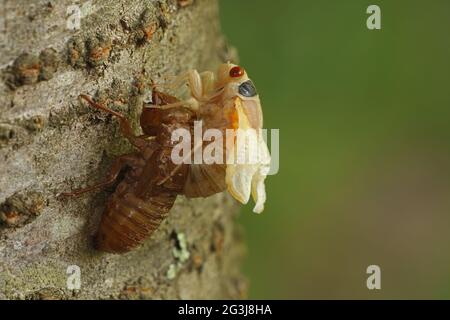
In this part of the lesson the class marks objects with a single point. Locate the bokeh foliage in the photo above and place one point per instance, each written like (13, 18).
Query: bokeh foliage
(364, 119)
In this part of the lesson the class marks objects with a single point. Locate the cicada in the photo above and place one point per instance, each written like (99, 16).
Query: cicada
(225, 102)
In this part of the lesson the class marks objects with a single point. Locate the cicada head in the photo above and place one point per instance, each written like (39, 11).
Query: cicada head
(235, 83)
(250, 162)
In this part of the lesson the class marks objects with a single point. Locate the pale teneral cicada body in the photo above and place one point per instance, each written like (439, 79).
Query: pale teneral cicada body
(223, 103)
(229, 102)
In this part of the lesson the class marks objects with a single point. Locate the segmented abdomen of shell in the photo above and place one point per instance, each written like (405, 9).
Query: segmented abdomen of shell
(129, 220)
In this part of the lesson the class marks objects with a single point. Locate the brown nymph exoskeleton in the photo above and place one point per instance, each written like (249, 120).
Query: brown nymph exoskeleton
(146, 194)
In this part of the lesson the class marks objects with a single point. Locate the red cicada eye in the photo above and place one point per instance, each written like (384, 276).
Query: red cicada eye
(236, 72)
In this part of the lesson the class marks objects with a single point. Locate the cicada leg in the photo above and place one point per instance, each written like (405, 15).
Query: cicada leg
(200, 84)
(122, 161)
(187, 104)
(125, 127)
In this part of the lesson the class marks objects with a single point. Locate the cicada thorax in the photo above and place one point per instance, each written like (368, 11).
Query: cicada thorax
(208, 177)
(202, 179)
(152, 119)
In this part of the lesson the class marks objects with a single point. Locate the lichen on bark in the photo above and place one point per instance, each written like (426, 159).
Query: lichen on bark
(50, 142)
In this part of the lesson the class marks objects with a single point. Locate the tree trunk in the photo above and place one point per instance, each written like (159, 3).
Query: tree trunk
(50, 142)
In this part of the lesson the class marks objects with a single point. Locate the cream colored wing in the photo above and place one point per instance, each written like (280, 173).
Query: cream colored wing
(245, 178)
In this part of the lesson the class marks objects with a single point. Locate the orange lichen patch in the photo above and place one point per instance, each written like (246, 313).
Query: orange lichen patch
(74, 55)
(76, 51)
(139, 84)
(49, 60)
(242, 288)
(147, 27)
(26, 69)
(218, 239)
(100, 53)
(197, 261)
(10, 218)
(133, 292)
(149, 30)
(129, 290)
(185, 3)
(31, 71)
(35, 123)
(19, 210)
(145, 292)
(46, 294)
(98, 50)
(37, 206)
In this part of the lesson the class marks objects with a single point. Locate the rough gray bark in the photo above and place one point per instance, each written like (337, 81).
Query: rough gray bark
(50, 142)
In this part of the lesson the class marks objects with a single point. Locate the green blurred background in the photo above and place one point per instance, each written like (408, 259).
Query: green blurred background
(364, 119)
